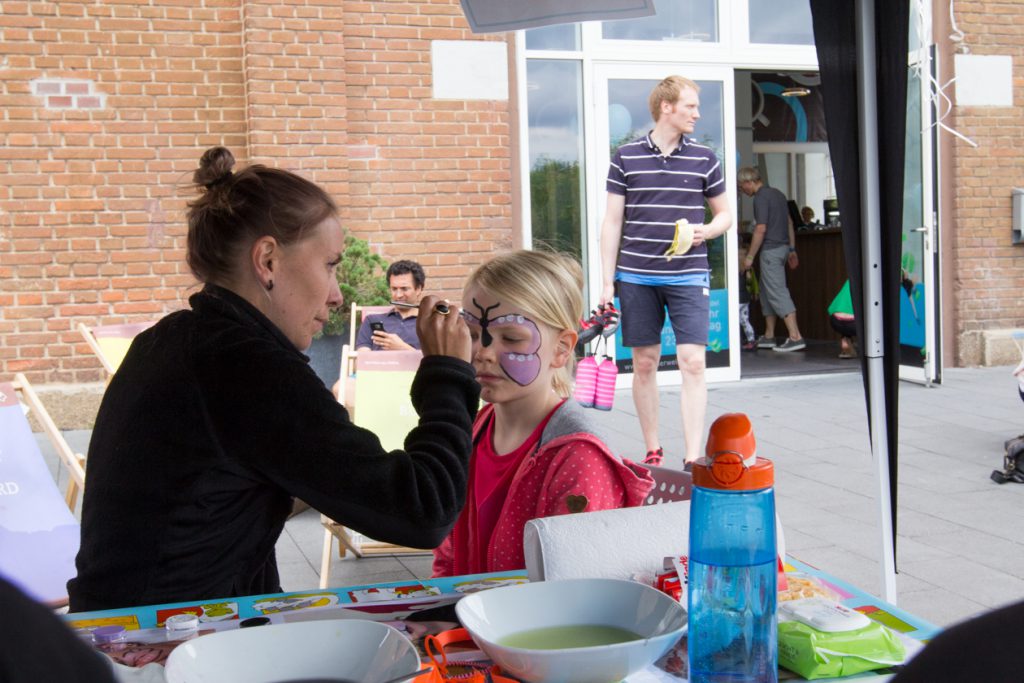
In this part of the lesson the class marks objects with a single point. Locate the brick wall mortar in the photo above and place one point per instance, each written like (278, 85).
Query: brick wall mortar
(416, 192)
(92, 207)
(92, 204)
(988, 269)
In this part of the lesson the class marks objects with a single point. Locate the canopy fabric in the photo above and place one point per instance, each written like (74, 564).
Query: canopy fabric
(835, 37)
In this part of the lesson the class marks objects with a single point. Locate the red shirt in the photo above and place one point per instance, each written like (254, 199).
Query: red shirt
(492, 477)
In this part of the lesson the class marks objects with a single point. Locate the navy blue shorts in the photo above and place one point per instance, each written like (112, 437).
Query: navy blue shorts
(643, 313)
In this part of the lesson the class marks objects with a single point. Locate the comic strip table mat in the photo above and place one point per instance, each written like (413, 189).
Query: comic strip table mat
(394, 602)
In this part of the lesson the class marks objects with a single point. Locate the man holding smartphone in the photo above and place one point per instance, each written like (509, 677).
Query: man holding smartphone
(396, 329)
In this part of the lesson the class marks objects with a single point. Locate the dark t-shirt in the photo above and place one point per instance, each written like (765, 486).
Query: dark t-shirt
(659, 190)
(770, 208)
(393, 323)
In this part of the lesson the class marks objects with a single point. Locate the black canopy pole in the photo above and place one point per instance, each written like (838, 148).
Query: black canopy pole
(862, 57)
(873, 342)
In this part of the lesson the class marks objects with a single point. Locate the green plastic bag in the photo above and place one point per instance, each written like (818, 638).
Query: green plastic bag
(816, 654)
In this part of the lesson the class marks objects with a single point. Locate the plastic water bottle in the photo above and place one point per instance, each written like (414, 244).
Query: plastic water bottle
(731, 592)
(604, 395)
(586, 382)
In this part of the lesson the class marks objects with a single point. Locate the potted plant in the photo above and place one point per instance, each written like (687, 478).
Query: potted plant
(361, 277)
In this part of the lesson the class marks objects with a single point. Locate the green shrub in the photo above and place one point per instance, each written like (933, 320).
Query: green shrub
(363, 282)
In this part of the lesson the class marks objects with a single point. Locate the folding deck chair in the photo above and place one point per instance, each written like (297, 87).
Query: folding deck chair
(110, 342)
(381, 403)
(39, 534)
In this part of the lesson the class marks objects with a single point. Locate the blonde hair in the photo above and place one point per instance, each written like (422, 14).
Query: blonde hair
(547, 286)
(748, 174)
(668, 91)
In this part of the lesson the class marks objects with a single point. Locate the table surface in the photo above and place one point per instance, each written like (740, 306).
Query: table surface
(393, 602)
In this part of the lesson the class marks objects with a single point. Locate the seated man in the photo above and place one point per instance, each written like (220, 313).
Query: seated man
(396, 329)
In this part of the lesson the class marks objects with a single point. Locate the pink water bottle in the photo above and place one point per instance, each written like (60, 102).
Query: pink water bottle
(586, 382)
(605, 393)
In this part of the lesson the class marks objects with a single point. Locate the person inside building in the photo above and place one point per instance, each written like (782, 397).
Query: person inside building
(655, 183)
(840, 317)
(809, 222)
(396, 329)
(774, 241)
(535, 453)
(215, 421)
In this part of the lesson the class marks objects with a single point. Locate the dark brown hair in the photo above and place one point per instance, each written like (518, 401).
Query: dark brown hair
(235, 209)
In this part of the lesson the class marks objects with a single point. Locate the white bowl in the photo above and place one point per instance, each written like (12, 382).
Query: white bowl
(494, 614)
(352, 649)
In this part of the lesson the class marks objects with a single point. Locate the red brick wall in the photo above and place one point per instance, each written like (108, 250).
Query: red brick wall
(430, 179)
(91, 208)
(91, 205)
(988, 270)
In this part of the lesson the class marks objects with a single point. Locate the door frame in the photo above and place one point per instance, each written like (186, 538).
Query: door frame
(931, 369)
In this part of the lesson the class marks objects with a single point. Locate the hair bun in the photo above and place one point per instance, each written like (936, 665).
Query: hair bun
(214, 167)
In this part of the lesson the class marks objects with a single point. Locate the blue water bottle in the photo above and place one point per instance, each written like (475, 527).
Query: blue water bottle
(731, 593)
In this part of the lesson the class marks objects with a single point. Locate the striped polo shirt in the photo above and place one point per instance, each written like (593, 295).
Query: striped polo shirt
(660, 190)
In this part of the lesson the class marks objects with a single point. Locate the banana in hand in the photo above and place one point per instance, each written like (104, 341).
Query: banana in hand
(682, 241)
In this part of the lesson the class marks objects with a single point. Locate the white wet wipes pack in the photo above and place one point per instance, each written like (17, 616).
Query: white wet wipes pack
(823, 615)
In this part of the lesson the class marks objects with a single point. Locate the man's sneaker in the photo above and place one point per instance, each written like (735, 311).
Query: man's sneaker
(764, 342)
(654, 457)
(791, 345)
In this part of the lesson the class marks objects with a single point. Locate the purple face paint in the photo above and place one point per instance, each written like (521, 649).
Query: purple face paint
(517, 357)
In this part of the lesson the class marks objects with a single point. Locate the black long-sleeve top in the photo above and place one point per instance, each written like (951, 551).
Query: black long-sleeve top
(213, 422)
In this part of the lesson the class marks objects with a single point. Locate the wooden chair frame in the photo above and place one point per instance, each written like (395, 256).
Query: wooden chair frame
(347, 540)
(88, 334)
(75, 462)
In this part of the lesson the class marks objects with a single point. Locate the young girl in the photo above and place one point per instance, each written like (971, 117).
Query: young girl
(748, 292)
(534, 452)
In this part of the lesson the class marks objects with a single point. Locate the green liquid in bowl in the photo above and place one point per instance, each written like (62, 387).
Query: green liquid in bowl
(564, 637)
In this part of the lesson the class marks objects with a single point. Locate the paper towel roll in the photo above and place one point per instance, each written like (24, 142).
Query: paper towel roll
(613, 544)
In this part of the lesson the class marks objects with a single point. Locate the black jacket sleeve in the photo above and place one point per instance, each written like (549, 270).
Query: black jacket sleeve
(294, 433)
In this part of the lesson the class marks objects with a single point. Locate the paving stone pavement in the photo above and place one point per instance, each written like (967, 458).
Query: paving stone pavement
(960, 546)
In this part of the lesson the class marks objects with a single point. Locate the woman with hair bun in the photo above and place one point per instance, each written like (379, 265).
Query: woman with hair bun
(215, 421)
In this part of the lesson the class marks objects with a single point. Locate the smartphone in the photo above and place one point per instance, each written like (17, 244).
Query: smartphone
(377, 326)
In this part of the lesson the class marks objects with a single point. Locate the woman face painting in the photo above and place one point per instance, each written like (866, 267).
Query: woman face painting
(513, 355)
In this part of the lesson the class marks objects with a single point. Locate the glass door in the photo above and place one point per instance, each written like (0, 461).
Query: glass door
(621, 114)
(920, 358)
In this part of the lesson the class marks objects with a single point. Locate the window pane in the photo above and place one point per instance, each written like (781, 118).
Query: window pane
(681, 20)
(555, 100)
(781, 22)
(559, 37)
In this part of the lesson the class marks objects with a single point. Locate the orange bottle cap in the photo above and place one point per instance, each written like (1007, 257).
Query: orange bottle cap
(728, 471)
(731, 460)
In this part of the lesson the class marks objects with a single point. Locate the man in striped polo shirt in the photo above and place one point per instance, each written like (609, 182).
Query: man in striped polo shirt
(653, 182)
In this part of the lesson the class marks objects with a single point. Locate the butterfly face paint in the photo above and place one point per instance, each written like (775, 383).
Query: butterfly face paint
(516, 341)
